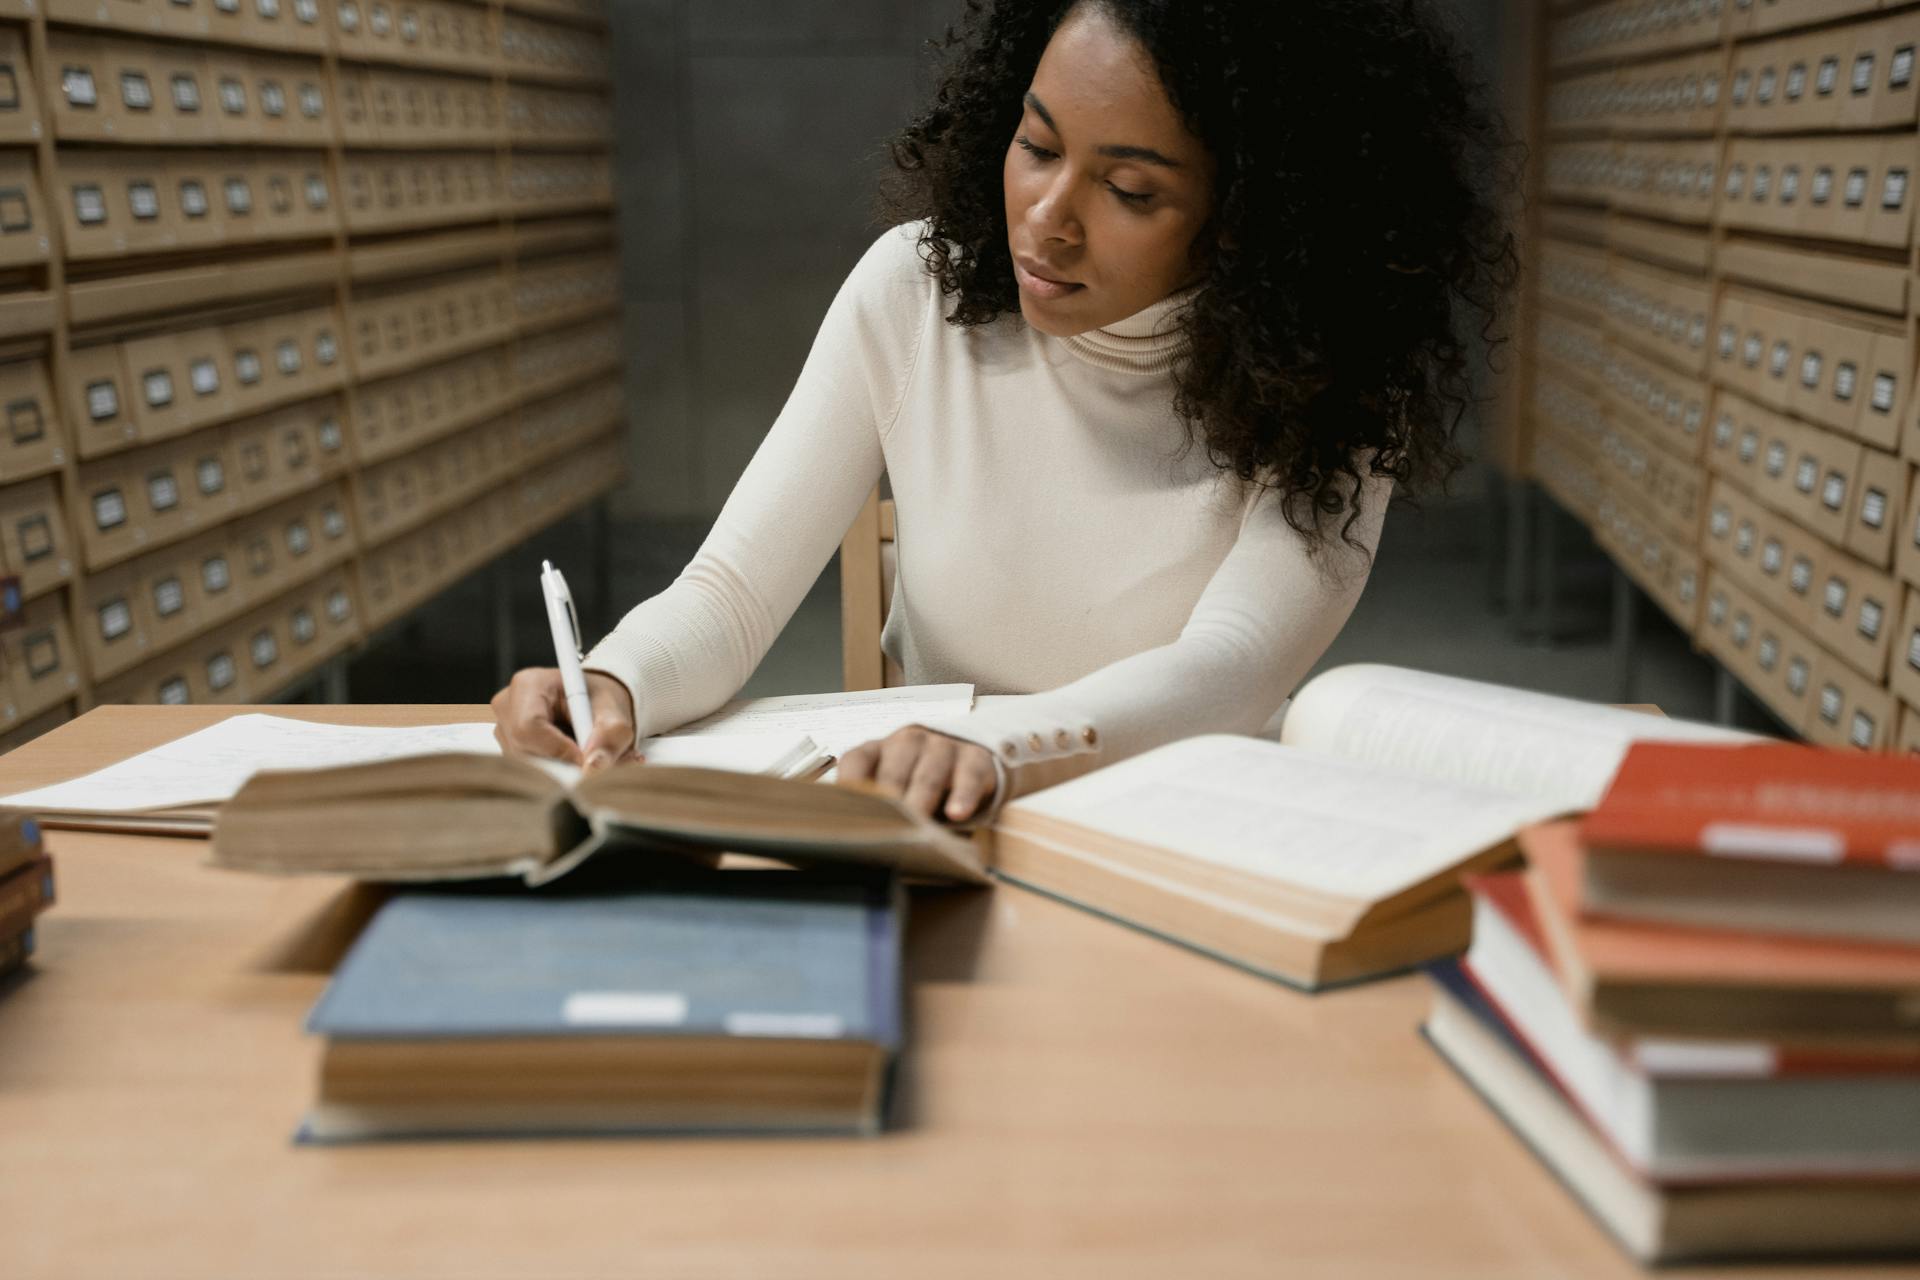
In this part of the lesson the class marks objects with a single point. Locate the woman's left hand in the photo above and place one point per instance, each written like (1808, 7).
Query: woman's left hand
(934, 774)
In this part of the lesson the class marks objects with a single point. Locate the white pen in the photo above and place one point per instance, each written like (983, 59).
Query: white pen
(566, 646)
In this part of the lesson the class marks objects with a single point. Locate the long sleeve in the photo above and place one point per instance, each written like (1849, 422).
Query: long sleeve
(1265, 617)
(684, 652)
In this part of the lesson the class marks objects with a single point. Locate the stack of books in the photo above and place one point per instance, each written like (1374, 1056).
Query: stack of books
(1700, 1006)
(26, 888)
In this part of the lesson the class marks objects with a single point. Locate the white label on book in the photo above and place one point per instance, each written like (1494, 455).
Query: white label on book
(193, 199)
(173, 692)
(1855, 191)
(1802, 576)
(1873, 509)
(306, 11)
(339, 607)
(246, 366)
(1830, 703)
(1872, 614)
(1843, 380)
(233, 97)
(1836, 597)
(214, 574)
(1806, 475)
(265, 648)
(143, 200)
(303, 626)
(220, 670)
(186, 94)
(330, 437)
(624, 1009)
(1797, 677)
(204, 374)
(212, 475)
(1749, 444)
(1776, 458)
(286, 357)
(1788, 844)
(799, 1026)
(135, 91)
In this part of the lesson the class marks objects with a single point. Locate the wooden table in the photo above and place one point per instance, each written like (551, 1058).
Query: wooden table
(1080, 1099)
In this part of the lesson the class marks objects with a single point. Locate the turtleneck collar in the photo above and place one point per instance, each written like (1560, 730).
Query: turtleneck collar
(1146, 342)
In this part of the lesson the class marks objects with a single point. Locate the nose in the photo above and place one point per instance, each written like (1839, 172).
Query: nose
(1052, 217)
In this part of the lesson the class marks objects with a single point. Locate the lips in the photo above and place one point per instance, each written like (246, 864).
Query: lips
(1041, 282)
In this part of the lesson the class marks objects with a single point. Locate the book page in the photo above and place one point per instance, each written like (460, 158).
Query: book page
(1336, 826)
(210, 766)
(778, 755)
(837, 722)
(1507, 740)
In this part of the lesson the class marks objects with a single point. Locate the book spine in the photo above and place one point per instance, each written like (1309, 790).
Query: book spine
(19, 840)
(15, 950)
(25, 894)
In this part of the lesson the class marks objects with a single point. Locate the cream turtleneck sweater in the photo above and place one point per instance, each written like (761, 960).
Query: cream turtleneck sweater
(1057, 537)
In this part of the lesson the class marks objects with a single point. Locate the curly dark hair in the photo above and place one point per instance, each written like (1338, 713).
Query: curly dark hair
(1358, 245)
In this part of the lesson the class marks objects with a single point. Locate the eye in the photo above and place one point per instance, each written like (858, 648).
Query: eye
(1135, 198)
(1039, 153)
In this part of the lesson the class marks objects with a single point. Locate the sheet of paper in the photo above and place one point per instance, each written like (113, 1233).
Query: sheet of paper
(837, 722)
(1304, 819)
(778, 755)
(209, 766)
(1507, 740)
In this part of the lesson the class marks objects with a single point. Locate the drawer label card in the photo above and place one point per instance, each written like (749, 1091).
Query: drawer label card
(169, 597)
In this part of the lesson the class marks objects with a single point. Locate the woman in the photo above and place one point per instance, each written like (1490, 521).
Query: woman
(1185, 293)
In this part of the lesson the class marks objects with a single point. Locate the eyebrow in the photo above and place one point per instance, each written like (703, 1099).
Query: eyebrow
(1116, 151)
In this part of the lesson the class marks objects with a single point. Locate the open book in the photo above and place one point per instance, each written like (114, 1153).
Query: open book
(459, 817)
(175, 788)
(1335, 853)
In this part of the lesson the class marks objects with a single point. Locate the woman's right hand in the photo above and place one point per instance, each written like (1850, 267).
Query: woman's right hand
(530, 719)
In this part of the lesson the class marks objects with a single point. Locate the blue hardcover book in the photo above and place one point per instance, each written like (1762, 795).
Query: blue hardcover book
(764, 1002)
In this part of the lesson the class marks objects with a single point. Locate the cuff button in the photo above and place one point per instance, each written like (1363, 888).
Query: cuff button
(1089, 736)
(1009, 750)
(1035, 742)
(1062, 739)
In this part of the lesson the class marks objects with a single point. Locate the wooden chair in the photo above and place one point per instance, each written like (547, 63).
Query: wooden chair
(866, 591)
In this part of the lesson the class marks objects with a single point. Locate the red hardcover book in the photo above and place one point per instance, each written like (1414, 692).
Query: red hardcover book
(1765, 838)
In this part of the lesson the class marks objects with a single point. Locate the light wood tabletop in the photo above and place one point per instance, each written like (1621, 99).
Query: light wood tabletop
(1078, 1099)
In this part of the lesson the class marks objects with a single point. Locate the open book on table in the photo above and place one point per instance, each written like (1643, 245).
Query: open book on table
(177, 787)
(460, 817)
(1334, 854)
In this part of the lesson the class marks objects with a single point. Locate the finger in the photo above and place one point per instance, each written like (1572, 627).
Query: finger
(932, 775)
(612, 737)
(898, 755)
(533, 724)
(543, 738)
(973, 785)
(858, 764)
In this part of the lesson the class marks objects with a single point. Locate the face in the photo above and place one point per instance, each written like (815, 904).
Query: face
(1106, 190)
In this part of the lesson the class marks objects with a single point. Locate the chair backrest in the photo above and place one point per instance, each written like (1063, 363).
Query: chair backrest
(866, 592)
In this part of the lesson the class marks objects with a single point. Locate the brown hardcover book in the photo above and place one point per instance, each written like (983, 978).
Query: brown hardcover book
(1676, 981)
(1769, 838)
(454, 817)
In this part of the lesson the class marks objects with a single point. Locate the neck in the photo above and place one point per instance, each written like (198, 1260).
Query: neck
(1144, 343)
